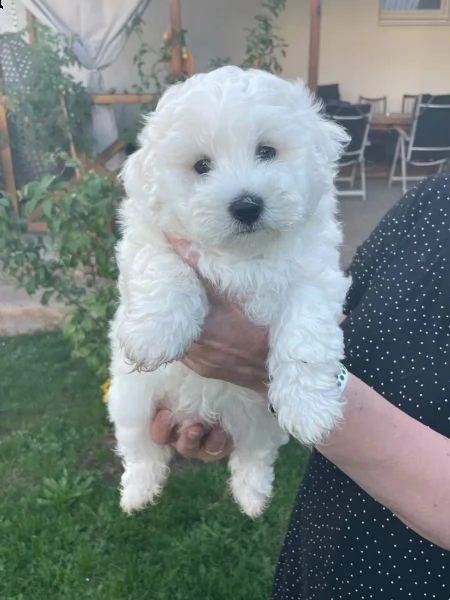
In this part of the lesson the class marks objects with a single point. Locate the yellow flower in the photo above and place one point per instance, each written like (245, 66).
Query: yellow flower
(105, 390)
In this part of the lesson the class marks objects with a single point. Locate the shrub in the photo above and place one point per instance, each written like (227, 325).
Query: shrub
(74, 262)
(264, 47)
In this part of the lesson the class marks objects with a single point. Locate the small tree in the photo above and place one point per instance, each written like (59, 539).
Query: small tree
(263, 44)
(264, 47)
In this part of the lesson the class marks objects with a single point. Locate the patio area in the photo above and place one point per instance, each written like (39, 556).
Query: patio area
(359, 218)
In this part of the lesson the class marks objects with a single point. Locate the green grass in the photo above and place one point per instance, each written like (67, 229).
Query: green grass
(62, 535)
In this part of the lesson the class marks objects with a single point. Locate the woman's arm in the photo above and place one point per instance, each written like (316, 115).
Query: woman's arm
(399, 461)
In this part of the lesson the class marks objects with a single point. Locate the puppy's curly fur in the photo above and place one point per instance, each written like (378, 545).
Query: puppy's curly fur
(241, 164)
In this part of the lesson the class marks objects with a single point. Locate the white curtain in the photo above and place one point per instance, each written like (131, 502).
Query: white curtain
(102, 28)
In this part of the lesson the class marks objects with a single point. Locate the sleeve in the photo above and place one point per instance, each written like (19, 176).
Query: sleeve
(376, 253)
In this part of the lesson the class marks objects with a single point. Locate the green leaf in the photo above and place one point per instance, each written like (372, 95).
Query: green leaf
(47, 207)
(46, 297)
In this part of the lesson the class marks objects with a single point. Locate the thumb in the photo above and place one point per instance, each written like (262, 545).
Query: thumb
(184, 250)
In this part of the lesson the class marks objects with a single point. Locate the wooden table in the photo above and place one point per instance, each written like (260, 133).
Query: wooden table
(391, 120)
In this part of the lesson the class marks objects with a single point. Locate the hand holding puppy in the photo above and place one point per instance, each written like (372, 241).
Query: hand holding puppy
(231, 349)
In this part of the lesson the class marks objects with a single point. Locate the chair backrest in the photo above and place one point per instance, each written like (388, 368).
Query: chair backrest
(409, 103)
(355, 119)
(430, 132)
(328, 93)
(379, 105)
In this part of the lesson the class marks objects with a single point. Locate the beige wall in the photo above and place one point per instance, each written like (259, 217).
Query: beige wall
(362, 56)
(370, 59)
(214, 29)
(358, 53)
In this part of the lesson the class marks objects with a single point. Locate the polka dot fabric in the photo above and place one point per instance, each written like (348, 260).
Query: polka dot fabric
(341, 544)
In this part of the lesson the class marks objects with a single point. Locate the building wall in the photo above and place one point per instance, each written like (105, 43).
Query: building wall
(356, 52)
(363, 56)
(375, 60)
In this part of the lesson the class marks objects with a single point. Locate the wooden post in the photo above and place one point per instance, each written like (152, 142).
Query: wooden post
(6, 157)
(175, 29)
(314, 44)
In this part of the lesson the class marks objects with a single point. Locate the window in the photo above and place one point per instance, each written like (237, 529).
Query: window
(414, 12)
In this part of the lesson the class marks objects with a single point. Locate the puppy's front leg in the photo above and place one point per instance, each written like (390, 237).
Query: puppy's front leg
(306, 347)
(163, 306)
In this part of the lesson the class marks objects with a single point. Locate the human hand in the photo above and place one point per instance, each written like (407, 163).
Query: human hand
(190, 439)
(231, 348)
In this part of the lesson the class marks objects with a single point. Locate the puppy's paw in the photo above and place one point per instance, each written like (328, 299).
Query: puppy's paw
(252, 502)
(311, 423)
(141, 485)
(148, 364)
(251, 486)
(148, 346)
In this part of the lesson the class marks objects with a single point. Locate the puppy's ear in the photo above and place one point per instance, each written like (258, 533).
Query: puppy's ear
(137, 172)
(133, 172)
(332, 139)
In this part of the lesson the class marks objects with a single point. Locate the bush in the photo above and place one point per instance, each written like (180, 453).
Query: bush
(264, 48)
(50, 106)
(74, 262)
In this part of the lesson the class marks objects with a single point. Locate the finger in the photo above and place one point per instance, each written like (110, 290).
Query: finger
(184, 250)
(189, 440)
(161, 427)
(216, 446)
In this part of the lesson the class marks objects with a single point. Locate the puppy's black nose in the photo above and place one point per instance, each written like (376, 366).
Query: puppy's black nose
(247, 208)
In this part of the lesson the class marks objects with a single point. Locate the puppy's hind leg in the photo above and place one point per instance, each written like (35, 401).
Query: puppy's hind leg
(146, 465)
(146, 468)
(252, 462)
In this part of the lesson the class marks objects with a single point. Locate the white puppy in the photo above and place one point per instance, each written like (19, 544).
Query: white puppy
(241, 164)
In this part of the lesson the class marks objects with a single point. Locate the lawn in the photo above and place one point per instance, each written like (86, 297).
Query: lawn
(62, 535)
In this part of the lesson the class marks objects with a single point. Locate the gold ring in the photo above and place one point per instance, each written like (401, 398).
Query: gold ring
(216, 453)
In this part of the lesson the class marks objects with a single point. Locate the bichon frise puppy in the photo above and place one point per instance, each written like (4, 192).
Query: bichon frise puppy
(241, 164)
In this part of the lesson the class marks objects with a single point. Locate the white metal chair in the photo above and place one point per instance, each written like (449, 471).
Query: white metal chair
(428, 143)
(355, 118)
(378, 140)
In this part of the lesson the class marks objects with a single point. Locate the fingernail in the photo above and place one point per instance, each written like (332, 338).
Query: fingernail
(194, 435)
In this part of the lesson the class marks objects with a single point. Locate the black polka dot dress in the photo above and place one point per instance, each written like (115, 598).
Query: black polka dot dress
(341, 543)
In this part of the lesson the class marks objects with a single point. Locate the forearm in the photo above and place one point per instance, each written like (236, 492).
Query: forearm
(397, 460)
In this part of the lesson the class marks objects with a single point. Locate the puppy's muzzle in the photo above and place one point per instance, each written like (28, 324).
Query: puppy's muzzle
(247, 208)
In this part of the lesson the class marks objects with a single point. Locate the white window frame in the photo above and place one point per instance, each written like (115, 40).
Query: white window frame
(439, 16)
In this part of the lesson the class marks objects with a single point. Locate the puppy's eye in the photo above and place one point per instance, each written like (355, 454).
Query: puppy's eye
(265, 153)
(203, 166)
